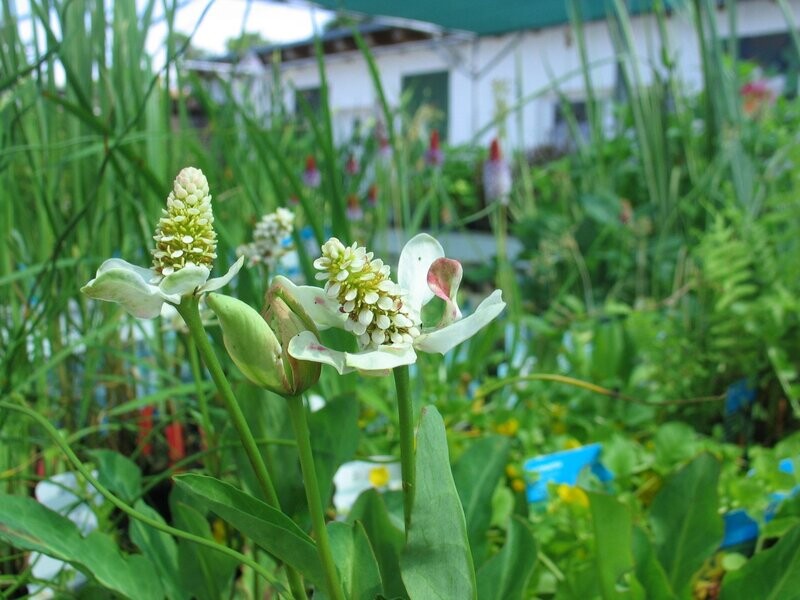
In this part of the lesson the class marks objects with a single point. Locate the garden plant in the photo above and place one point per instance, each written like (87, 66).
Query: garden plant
(238, 358)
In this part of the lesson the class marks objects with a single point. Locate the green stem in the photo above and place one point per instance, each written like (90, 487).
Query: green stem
(188, 309)
(209, 435)
(297, 412)
(406, 418)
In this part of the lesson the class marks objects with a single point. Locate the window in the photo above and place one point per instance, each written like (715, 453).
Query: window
(431, 90)
(577, 113)
(774, 52)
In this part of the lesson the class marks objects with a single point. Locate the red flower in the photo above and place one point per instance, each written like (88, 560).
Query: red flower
(354, 210)
(496, 175)
(145, 426)
(434, 156)
(177, 449)
(372, 195)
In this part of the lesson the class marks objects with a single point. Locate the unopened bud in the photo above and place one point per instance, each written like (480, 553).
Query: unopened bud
(250, 342)
(287, 318)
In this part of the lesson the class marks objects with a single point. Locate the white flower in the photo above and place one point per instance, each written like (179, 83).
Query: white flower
(185, 249)
(271, 239)
(384, 316)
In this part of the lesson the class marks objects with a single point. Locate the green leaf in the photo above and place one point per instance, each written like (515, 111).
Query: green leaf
(685, 521)
(436, 562)
(161, 549)
(476, 475)
(119, 474)
(772, 574)
(205, 574)
(613, 555)
(505, 576)
(355, 561)
(385, 538)
(649, 571)
(266, 526)
(26, 524)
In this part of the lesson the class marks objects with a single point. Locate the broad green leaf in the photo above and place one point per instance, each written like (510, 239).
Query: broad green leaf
(772, 574)
(205, 574)
(119, 474)
(26, 524)
(613, 555)
(476, 475)
(649, 571)
(685, 521)
(385, 538)
(161, 549)
(436, 562)
(266, 526)
(355, 561)
(505, 576)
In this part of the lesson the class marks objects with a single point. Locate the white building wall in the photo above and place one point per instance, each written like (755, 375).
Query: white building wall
(546, 60)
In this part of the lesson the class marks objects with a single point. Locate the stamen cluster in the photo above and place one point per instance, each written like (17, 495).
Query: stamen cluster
(269, 238)
(185, 232)
(373, 303)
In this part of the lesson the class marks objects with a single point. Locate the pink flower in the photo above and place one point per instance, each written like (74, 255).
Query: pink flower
(384, 147)
(756, 96)
(351, 166)
(496, 175)
(311, 175)
(354, 210)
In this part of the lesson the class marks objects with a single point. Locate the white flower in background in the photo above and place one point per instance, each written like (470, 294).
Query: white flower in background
(63, 493)
(496, 175)
(385, 316)
(357, 476)
(182, 259)
(270, 238)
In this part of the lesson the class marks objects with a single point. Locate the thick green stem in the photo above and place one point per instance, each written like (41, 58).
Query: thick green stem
(406, 417)
(188, 309)
(300, 424)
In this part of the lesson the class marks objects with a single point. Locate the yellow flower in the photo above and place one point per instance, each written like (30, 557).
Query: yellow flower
(571, 494)
(379, 477)
(512, 471)
(571, 444)
(509, 428)
(518, 485)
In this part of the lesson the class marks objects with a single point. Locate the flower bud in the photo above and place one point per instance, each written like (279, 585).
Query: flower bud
(250, 342)
(287, 318)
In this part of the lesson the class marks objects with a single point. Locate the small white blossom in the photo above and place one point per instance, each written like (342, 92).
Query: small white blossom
(270, 238)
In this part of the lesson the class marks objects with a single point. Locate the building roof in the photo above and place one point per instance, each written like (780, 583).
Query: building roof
(487, 17)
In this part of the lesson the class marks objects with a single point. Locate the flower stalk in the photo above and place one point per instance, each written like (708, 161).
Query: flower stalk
(405, 413)
(297, 412)
(188, 309)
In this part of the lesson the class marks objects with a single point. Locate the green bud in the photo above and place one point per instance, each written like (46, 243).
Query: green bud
(250, 342)
(287, 318)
